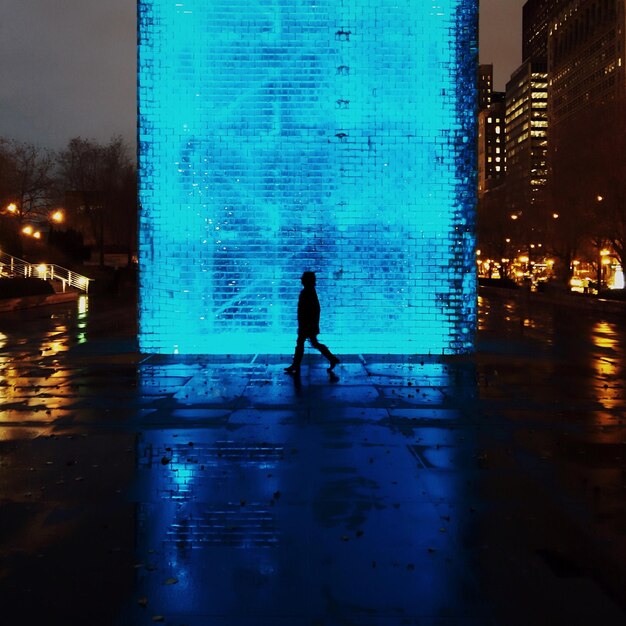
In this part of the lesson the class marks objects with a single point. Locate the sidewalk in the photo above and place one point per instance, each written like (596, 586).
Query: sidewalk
(485, 490)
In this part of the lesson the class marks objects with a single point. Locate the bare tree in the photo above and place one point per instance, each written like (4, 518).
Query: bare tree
(588, 181)
(610, 177)
(124, 210)
(5, 169)
(494, 228)
(26, 179)
(93, 175)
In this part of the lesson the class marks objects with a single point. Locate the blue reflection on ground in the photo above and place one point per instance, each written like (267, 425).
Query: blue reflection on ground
(260, 501)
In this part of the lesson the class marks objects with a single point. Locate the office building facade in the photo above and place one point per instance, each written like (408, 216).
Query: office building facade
(491, 144)
(586, 56)
(485, 86)
(537, 18)
(527, 144)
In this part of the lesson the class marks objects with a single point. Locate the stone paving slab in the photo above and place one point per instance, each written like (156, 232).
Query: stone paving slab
(486, 490)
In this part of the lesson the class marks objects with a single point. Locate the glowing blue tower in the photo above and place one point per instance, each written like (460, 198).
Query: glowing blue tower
(277, 136)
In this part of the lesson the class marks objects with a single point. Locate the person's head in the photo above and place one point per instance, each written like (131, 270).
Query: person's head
(308, 279)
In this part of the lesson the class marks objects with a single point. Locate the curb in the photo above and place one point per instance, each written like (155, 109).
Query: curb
(589, 303)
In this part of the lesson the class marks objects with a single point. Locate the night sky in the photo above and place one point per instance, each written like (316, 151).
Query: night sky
(67, 67)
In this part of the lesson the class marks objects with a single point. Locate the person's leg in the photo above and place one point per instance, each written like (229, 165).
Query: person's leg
(297, 356)
(299, 353)
(332, 359)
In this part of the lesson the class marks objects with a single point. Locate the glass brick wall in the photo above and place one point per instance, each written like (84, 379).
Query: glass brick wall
(277, 136)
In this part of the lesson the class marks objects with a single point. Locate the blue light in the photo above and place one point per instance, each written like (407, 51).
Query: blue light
(279, 136)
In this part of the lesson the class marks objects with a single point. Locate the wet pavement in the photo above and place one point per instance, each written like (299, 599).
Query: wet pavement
(486, 490)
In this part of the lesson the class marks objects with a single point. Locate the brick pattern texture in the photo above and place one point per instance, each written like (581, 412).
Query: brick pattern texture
(277, 136)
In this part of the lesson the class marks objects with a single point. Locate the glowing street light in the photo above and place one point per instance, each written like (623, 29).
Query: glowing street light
(31, 232)
(605, 257)
(58, 216)
(555, 216)
(12, 208)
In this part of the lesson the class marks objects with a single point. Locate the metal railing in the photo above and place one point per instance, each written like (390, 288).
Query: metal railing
(12, 267)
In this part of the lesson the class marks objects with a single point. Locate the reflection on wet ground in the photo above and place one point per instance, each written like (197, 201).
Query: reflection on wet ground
(201, 491)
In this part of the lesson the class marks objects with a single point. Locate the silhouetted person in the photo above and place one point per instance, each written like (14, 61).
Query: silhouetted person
(309, 325)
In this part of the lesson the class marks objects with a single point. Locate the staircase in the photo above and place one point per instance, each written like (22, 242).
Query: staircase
(61, 278)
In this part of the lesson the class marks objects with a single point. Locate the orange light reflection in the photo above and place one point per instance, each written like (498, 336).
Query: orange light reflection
(608, 390)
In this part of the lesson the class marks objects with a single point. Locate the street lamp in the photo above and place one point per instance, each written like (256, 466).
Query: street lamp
(58, 216)
(31, 232)
(12, 208)
(605, 261)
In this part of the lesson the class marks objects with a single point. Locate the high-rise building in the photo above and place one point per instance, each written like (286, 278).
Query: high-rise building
(587, 109)
(586, 56)
(527, 121)
(485, 86)
(491, 144)
(536, 22)
(491, 150)
(526, 145)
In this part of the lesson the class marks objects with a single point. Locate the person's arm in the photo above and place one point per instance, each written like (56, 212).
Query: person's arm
(301, 309)
(315, 312)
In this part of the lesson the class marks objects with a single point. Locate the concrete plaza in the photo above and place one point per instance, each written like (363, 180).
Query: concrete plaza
(484, 490)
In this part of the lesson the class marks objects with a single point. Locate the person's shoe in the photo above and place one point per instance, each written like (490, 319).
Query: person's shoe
(292, 370)
(333, 363)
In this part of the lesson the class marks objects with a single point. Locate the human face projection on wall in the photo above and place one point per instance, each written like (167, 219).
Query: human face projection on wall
(277, 136)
